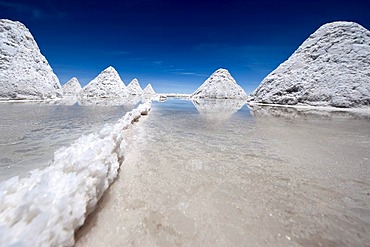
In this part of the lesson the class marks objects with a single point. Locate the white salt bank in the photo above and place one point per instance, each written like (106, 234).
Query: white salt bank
(330, 68)
(45, 208)
(220, 85)
(107, 84)
(24, 71)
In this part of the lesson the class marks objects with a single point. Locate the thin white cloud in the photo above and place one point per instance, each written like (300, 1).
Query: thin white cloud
(174, 70)
(158, 62)
(192, 73)
(187, 73)
(180, 71)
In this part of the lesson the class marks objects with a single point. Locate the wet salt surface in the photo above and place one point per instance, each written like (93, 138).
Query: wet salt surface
(198, 177)
(30, 133)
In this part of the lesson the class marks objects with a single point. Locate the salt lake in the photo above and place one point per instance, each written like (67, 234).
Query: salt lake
(217, 173)
(30, 133)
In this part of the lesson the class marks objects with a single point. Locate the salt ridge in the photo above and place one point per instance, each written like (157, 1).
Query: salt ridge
(47, 207)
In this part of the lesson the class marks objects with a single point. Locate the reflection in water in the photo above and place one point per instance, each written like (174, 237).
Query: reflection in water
(127, 101)
(31, 132)
(293, 112)
(247, 182)
(217, 109)
(71, 100)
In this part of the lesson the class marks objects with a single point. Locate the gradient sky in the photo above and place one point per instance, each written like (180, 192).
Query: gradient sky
(175, 45)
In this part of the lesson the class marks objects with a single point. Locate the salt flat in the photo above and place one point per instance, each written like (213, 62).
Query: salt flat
(251, 178)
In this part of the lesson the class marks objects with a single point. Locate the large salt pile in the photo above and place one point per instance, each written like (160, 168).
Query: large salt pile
(72, 88)
(148, 91)
(107, 84)
(24, 71)
(330, 68)
(220, 85)
(47, 207)
(134, 87)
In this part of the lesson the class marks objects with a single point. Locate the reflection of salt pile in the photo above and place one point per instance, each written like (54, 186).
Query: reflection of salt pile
(127, 101)
(132, 100)
(307, 112)
(218, 109)
(46, 208)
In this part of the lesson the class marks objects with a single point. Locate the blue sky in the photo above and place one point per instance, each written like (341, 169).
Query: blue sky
(175, 45)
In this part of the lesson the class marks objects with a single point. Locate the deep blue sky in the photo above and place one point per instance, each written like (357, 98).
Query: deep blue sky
(175, 45)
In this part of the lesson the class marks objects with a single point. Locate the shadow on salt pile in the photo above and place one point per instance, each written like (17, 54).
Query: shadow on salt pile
(318, 113)
(217, 109)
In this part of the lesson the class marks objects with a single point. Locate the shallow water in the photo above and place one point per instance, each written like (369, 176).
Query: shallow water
(30, 133)
(215, 176)
(200, 178)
